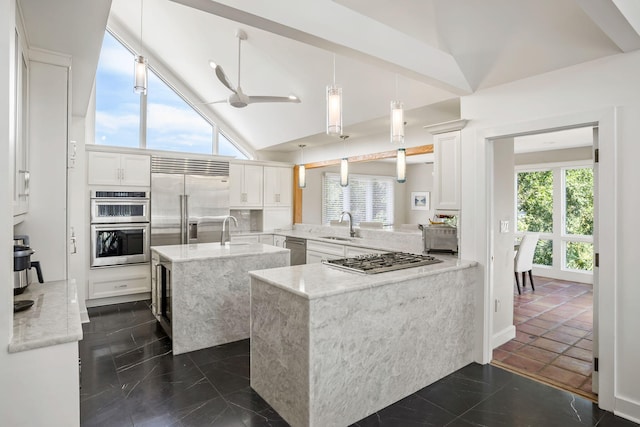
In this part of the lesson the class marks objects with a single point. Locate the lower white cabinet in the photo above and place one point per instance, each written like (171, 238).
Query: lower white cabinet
(118, 281)
(266, 239)
(317, 251)
(246, 239)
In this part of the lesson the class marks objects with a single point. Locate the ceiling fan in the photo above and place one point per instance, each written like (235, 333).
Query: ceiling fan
(238, 98)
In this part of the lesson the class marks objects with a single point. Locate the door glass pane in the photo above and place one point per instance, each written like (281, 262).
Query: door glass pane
(535, 201)
(579, 201)
(544, 253)
(117, 105)
(579, 256)
(172, 124)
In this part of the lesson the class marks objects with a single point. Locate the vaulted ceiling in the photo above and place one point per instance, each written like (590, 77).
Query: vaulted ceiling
(426, 53)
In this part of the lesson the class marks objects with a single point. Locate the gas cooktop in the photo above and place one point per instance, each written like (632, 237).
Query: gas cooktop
(381, 263)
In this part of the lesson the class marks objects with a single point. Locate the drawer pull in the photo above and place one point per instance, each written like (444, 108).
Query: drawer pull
(120, 286)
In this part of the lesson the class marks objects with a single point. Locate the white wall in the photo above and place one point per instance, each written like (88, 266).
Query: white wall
(580, 94)
(419, 178)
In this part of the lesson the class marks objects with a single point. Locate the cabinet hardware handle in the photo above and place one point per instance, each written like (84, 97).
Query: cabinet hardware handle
(120, 286)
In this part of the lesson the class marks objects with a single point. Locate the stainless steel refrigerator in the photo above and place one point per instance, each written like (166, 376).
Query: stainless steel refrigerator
(189, 201)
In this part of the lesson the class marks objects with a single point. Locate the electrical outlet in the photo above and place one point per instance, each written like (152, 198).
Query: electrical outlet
(497, 305)
(504, 226)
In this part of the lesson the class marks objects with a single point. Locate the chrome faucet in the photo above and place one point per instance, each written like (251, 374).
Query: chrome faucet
(226, 237)
(351, 232)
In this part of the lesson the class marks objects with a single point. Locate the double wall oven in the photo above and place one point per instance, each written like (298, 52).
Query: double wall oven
(119, 227)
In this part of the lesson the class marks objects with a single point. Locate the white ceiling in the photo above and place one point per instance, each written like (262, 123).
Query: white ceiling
(438, 50)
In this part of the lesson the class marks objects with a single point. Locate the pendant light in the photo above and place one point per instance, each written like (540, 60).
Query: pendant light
(302, 171)
(140, 64)
(401, 165)
(334, 105)
(397, 119)
(344, 166)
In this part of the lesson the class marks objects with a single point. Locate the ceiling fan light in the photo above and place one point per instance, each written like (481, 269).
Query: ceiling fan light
(401, 165)
(397, 122)
(334, 110)
(344, 172)
(140, 75)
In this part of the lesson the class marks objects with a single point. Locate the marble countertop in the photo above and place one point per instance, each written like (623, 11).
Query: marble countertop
(195, 251)
(319, 280)
(53, 319)
(383, 240)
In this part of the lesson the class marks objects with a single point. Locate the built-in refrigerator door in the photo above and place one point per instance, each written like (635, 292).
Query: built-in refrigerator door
(207, 205)
(167, 199)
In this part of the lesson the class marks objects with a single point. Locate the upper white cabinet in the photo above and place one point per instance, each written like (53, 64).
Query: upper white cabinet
(107, 168)
(447, 175)
(278, 183)
(245, 187)
(21, 125)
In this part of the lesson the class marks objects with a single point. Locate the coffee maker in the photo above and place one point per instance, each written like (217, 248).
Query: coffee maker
(22, 264)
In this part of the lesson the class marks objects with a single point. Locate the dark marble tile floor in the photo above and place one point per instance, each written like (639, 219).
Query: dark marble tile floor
(130, 378)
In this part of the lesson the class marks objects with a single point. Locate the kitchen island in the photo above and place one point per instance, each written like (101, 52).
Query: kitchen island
(330, 347)
(207, 300)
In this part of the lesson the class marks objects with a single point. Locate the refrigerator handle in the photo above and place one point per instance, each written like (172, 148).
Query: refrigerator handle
(187, 237)
(182, 220)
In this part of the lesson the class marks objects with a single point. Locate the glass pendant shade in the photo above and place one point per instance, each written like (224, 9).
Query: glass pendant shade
(140, 75)
(344, 172)
(401, 165)
(397, 122)
(302, 176)
(334, 110)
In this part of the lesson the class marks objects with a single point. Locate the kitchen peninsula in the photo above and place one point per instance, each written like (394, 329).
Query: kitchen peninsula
(206, 290)
(330, 347)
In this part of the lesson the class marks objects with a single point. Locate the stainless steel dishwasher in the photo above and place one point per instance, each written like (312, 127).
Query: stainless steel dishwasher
(298, 248)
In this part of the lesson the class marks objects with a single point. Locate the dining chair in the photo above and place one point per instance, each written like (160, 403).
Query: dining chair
(523, 261)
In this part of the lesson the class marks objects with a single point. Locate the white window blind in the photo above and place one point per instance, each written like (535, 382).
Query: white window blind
(367, 197)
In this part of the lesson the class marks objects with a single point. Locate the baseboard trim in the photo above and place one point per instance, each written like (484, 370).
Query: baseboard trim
(628, 409)
(505, 335)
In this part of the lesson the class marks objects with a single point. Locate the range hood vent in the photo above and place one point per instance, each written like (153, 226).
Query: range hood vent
(189, 166)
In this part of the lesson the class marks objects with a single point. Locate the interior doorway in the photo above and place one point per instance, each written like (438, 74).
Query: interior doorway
(553, 325)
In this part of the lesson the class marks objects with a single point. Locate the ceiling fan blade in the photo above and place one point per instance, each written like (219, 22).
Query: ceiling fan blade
(256, 99)
(212, 102)
(222, 76)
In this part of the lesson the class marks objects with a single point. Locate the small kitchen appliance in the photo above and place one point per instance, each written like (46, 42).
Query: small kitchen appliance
(22, 264)
(441, 234)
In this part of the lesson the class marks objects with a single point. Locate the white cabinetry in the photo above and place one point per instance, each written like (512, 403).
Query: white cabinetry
(446, 179)
(245, 187)
(107, 168)
(317, 251)
(245, 239)
(46, 221)
(118, 281)
(21, 136)
(278, 183)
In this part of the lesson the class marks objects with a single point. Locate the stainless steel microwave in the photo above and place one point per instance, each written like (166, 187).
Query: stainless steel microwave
(108, 207)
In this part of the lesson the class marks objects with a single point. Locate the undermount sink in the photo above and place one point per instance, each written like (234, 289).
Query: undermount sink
(344, 239)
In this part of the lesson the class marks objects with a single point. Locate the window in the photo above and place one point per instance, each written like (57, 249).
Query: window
(228, 148)
(117, 106)
(367, 197)
(171, 122)
(557, 202)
